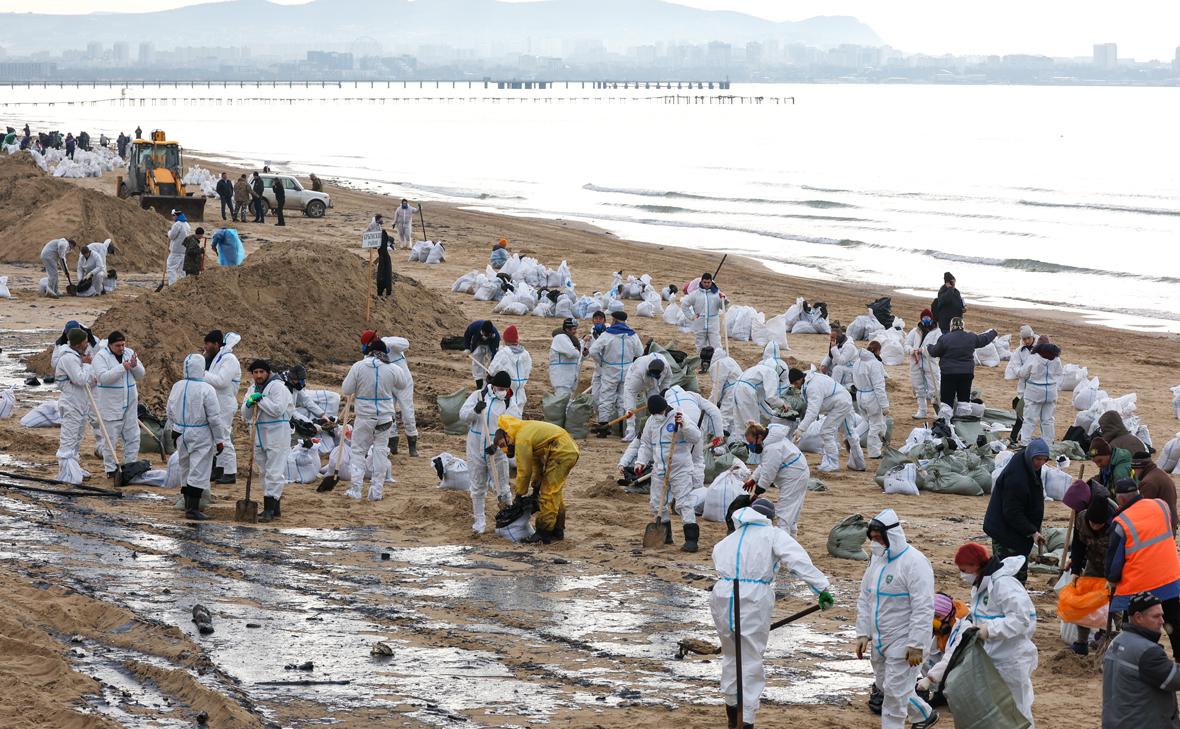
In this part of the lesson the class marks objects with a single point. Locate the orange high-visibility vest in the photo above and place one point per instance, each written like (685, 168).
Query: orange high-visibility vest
(1151, 559)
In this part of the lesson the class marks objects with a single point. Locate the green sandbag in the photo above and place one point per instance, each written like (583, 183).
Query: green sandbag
(1069, 449)
(885, 437)
(152, 437)
(814, 484)
(977, 694)
(577, 417)
(449, 407)
(941, 481)
(716, 465)
(1006, 416)
(690, 368)
(554, 407)
(970, 430)
(847, 537)
(890, 459)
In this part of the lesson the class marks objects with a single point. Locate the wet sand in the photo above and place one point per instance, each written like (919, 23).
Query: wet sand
(580, 633)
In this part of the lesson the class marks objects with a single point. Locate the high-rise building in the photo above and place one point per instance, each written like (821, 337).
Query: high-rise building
(147, 53)
(1106, 55)
(93, 51)
(1176, 62)
(121, 52)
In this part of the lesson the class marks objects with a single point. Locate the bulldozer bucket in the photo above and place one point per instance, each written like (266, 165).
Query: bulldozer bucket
(192, 207)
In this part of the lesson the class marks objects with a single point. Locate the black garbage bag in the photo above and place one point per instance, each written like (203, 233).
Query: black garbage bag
(882, 308)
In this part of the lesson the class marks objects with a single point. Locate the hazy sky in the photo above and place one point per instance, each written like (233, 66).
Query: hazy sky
(1143, 29)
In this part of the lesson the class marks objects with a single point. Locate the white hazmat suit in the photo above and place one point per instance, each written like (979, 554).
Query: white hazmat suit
(1001, 605)
(224, 373)
(704, 309)
(724, 372)
(565, 359)
(193, 411)
(272, 433)
(403, 222)
(868, 374)
(783, 465)
(481, 428)
(372, 383)
(518, 363)
(755, 396)
(176, 235)
(613, 352)
(705, 416)
(825, 396)
(93, 264)
(53, 255)
(639, 385)
(72, 378)
(398, 346)
(839, 361)
(655, 446)
(1042, 379)
(117, 396)
(925, 377)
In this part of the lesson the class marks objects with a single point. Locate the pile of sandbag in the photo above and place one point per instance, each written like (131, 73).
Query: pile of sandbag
(892, 343)
(652, 304)
(740, 321)
(1072, 376)
(803, 318)
(523, 286)
(198, 176)
(932, 467)
(863, 327)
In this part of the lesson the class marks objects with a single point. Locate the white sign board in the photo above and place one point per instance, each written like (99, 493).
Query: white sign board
(371, 240)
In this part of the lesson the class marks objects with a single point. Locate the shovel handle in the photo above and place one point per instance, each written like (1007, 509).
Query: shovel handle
(343, 425)
(796, 616)
(625, 416)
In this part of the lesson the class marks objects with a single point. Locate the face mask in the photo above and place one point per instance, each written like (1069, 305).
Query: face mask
(496, 392)
(967, 577)
(927, 322)
(754, 447)
(877, 549)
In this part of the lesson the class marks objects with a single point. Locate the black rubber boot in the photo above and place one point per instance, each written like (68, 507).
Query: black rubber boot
(192, 504)
(278, 513)
(412, 442)
(479, 384)
(393, 445)
(668, 533)
(559, 528)
(731, 716)
(228, 478)
(540, 536)
(692, 533)
(876, 698)
(268, 510)
(217, 473)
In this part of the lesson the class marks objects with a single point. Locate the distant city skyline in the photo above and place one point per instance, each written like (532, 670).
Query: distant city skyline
(1143, 29)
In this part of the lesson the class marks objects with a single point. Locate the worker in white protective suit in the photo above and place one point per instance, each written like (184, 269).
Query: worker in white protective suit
(664, 427)
(925, 376)
(724, 372)
(53, 257)
(224, 373)
(195, 417)
(755, 395)
(706, 416)
(613, 352)
(825, 396)
(372, 383)
(565, 358)
(751, 556)
(269, 406)
(398, 346)
(1003, 613)
(176, 234)
(704, 308)
(868, 375)
(514, 359)
(780, 464)
(893, 617)
(60, 346)
(117, 372)
(73, 374)
(842, 355)
(1019, 358)
(92, 263)
(403, 222)
(1042, 379)
(648, 375)
(481, 411)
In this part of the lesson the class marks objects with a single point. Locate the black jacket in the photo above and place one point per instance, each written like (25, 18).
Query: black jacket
(256, 187)
(1017, 505)
(225, 190)
(280, 194)
(946, 306)
(956, 350)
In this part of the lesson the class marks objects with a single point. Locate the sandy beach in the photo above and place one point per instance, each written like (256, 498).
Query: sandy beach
(309, 304)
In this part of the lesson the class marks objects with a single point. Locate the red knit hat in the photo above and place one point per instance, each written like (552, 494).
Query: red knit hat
(511, 336)
(926, 313)
(971, 555)
(368, 336)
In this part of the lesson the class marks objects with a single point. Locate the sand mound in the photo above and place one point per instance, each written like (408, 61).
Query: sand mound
(290, 304)
(36, 208)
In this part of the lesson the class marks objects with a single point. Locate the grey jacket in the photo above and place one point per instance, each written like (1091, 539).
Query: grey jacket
(1139, 683)
(956, 350)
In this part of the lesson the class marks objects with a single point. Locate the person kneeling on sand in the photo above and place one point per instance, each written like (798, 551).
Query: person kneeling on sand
(53, 252)
(545, 455)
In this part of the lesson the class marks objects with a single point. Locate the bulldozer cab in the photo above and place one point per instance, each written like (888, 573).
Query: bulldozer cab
(147, 157)
(154, 174)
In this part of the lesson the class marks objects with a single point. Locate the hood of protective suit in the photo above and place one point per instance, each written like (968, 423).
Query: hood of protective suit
(1110, 425)
(619, 328)
(744, 516)
(510, 425)
(1009, 566)
(895, 535)
(231, 341)
(776, 434)
(771, 351)
(194, 367)
(865, 355)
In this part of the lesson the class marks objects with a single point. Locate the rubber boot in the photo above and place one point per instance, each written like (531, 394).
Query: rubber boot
(668, 532)
(412, 442)
(559, 528)
(540, 535)
(277, 513)
(478, 385)
(731, 716)
(268, 510)
(192, 504)
(692, 533)
(393, 445)
(876, 698)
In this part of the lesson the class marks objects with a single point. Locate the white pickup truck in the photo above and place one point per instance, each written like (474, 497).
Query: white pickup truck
(313, 204)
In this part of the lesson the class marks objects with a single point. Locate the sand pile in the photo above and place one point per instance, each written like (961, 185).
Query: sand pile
(290, 303)
(36, 208)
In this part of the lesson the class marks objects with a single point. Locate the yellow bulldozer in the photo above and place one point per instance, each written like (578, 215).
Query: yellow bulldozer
(153, 174)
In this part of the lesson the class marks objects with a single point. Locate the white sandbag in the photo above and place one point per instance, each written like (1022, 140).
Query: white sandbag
(1055, 481)
(902, 479)
(4, 292)
(1169, 458)
(698, 499)
(726, 487)
(157, 477)
(303, 464)
(811, 441)
(651, 306)
(1085, 393)
(465, 284)
(674, 315)
(739, 322)
(1126, 406)
(419, 251)
(1073, 375)
(488, 290)
(544, 307)
(988, 355)
(793, 313)
(892, 347)
(44, 415)
(513, 309)
(7, 402)
(804, 327)
(437, 253)
(1003, 345)
(1143, 434)
(917, 437)
(969, 410)
(774, 330)
(173, 478)
(455, 476)
(863, 327)
(518, 530)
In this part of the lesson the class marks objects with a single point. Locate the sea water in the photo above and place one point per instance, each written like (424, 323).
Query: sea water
(1055, 197)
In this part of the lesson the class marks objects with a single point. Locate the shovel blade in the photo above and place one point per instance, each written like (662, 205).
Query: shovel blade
(653, 535)
(117, 477)
(327, 484)
(246, 510)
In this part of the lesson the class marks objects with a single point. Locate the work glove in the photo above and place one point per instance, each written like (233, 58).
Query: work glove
(749, 484)
(982, 634)
(253, 399)
(862, 645)
(826, 600)
(479, 406)
(640, 469)
(716, 442)
(913, 656)
(797, 436)
(924, 684)
(220, 448)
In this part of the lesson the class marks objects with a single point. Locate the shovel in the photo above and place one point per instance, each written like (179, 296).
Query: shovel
(245, 509)
(71, 289)
(117, 476)
(700, 647)
(422, 219)
(603, 431)
(163, 276)
(653, 534)
(333, 478)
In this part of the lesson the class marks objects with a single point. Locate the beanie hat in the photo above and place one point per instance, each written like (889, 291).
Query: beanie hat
(1142, 601)
(367, 337)
(215, 337)
(511, 336)
(657, 405)
(1126, 486)
(260, 364)
(116, 336)
(765, 507)
(501, 379)
(926, 314)
(1098, 512)
(75, 336)
(1141, 460)
(569, 322)
(948, 277)
(1026, 332)
(1099, 447)
(656, 365)
(972, 554)
(619, 315)
(944, 606)
(795, 374)
(1078, 495)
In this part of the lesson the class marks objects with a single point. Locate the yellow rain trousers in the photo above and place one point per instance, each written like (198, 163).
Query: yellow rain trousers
(545, 453)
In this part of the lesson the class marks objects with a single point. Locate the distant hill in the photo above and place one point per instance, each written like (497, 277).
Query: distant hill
(458, 23)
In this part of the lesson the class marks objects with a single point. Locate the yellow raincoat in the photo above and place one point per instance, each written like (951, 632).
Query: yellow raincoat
(545, 453)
